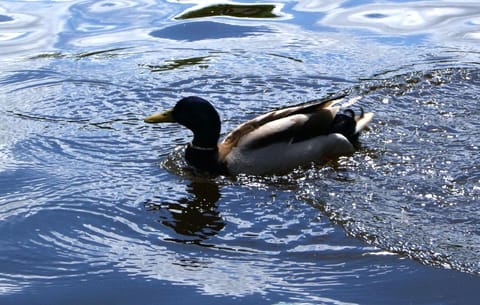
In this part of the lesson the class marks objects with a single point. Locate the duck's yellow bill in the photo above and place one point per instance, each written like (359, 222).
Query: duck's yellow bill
(161, 117)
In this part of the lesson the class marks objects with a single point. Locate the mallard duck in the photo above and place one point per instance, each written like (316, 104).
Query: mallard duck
(272, 143)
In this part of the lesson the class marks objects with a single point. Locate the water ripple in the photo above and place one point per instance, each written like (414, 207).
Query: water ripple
(443, 19)
(23, 32)
(404, 199)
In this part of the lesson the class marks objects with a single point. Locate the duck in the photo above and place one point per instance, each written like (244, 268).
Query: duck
(273, 143)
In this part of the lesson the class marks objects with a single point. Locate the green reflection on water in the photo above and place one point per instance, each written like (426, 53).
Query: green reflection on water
(108, 53)
(232, 10)
(178, 63)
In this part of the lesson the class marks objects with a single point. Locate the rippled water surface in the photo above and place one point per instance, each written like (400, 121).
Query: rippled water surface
(97, 208)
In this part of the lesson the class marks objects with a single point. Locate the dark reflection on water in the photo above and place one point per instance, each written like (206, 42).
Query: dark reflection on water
(201, 30)
(5, 18)
(196, 216)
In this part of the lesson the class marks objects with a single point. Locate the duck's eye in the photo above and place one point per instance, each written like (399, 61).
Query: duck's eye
(349, 112)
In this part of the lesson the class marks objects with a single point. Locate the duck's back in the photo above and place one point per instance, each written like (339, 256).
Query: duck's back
(280, 140)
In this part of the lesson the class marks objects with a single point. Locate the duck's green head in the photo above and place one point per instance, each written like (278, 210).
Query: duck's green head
(196, 114)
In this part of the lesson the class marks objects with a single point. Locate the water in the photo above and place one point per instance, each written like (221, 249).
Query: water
(97, 208)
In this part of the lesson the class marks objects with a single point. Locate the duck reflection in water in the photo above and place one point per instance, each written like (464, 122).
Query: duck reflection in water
(195, 216)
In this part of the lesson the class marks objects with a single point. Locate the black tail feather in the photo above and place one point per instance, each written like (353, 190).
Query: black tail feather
(345, 124)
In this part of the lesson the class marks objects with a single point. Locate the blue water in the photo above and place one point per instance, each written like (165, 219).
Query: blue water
(96, 207)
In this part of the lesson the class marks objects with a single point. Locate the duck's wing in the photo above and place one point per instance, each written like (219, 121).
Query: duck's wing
(292, 124)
